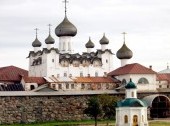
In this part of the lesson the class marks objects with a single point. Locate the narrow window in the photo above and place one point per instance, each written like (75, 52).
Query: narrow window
(67, 86)
(72, 86)
(59, 86)
(106, 61)
(96, 74)
(82, 86)
(132, 94)
(81, 73)
(65, 74)
(125, 119)
(53, 60)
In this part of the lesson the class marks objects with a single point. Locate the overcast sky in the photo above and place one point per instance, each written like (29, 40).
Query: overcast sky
(147, 23)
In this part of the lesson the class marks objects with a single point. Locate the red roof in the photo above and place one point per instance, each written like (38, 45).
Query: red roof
(38, 80)
(12, 73)
(94, 80)
(134, 68)
(162, 77)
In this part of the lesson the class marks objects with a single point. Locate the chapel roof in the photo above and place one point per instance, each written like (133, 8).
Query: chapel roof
(131, 102)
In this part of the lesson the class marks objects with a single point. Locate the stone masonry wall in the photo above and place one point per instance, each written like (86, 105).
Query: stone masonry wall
(41, 108)
(27, 109)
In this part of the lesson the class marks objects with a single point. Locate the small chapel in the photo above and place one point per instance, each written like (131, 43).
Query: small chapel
(131, 111)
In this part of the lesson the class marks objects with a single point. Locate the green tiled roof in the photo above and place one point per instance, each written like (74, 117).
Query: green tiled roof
(131, 102)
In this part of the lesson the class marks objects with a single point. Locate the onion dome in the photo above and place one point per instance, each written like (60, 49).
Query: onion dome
(49, 39)
(89, 44)
(124, 52)
(65, 28)
(130, 85)
(104, 40)
(36, 43)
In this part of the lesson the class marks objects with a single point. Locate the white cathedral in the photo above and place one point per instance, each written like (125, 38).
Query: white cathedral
(63, 61)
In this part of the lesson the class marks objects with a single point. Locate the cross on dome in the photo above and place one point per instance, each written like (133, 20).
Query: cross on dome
(65, 3)
(36, 31)
(124, 34)
(49, 25)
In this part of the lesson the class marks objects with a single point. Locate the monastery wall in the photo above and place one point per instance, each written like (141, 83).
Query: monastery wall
(28, 107)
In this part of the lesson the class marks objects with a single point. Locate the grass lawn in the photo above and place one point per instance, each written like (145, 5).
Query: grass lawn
(90, 122)
(159, 123)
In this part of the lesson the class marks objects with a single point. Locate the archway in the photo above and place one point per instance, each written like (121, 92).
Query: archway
(159, 106)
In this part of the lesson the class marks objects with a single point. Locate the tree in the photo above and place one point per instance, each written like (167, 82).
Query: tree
(108, 104)
(93, 109)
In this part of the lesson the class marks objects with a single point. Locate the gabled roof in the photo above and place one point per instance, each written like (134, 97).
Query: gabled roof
(38, 80)
(134, 68)
(163, 77)
(12, 73)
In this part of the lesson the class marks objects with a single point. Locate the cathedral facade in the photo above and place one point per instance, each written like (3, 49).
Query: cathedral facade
(63, 61)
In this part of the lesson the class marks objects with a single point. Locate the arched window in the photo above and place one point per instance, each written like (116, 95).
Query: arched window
(32, 87)
(125, 119)
(135, 120)
(132, 94)
(143, 81)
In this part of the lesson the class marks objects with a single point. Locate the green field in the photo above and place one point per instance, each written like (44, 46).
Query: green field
(86, 123)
